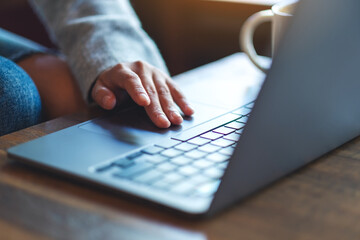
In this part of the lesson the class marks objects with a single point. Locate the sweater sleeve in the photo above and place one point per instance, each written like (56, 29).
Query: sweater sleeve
(95, 35)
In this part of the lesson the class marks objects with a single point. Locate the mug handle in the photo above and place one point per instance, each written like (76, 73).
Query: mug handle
(247, 35)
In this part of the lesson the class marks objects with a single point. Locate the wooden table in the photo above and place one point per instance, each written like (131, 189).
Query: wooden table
(320, 201)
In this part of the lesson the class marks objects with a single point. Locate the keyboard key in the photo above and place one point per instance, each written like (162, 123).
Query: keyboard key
(142, 158)
(224, 130)
(242, 111)
(166, 167)
(161, 185)
(134, 155)
(133, 170)
(214, 172)
(199, 141)
(211, 135)
(168, 143)
(104, 168)
(152, 150)
(222, 142)
(235, 125)
(171, 152)
(193, 132)
(148, 177)
(223, 165)
(209, 148)
(188, 170)
(242, 120)
(172, 177)
(250, 105)
(239, 131)
(200, 179)
(181, 160)
(185, 147)
(123, 162)
(203, 163)
(207, 189)
(227, 151)
(149, 158)
(157, 158)
(217, 157)
(183, 188)
(232, 137)
(195, 154)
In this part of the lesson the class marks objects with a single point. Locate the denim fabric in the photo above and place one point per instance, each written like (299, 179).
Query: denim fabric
(15, 47)
(20, 104)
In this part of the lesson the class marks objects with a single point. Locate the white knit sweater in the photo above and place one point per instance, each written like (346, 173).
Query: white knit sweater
(95, 35)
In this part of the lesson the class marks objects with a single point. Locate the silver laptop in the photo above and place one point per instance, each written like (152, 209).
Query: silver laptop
(307, 106)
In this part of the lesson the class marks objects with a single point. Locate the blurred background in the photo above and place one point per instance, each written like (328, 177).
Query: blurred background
(189, 33)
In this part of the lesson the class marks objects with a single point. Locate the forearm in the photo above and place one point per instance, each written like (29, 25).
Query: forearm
(95, 35)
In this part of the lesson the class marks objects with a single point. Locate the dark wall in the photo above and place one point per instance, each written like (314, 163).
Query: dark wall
(189, 33)
(18, 17)
(194, 32)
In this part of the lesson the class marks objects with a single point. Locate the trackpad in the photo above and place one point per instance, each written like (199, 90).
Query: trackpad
(133, 126)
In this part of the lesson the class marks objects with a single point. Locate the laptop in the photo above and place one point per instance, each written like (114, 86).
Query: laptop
(238, 143)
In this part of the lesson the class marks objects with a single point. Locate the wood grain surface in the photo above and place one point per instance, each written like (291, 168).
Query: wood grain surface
(319, 201)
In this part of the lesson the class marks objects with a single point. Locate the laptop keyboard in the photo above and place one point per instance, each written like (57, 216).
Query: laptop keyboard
(190, 164)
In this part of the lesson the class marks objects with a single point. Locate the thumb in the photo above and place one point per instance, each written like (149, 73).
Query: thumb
(103, 96)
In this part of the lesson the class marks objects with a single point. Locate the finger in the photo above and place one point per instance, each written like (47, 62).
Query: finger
(166, 101)
(131, 82)
(179, 98)
(154, 109)
(103, 96)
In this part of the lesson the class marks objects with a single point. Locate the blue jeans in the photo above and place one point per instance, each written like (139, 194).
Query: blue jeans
(20, 104)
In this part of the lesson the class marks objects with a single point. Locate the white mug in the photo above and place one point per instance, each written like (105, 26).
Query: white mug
(279, 15)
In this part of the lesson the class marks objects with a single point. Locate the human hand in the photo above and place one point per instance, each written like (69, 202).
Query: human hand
(147, 86)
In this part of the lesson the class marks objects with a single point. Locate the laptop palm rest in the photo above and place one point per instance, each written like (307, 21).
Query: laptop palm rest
(134, 126)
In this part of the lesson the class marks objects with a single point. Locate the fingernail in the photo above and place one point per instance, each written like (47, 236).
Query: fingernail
(176, 116)
(164, 120)
(105, 100)
(190, 109)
